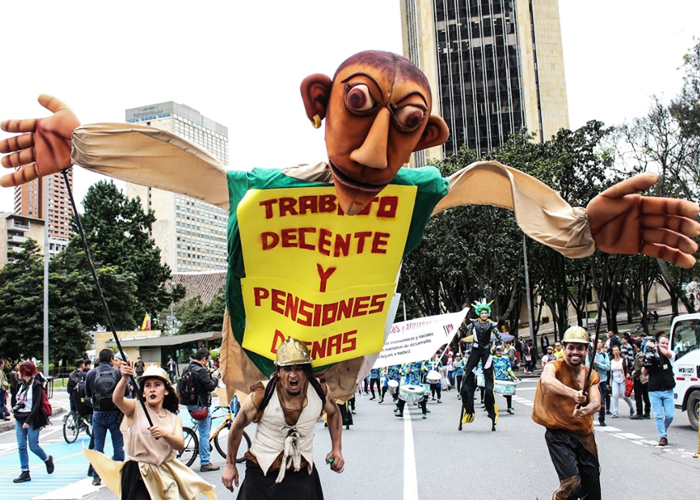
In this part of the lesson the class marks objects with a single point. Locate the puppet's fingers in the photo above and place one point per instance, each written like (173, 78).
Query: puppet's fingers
(670, 239)
(672, 255)
(53, 104)
(682, 225)
(28, 125)
(23, 175)
(16, 143)
(18, 159)
(639, 182)
(669, 206)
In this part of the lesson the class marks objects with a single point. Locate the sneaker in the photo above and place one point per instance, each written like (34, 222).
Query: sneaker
(49, 465)
(208, 468)
(425, 416)
(636, 417)
(608, 412)
(614, 416)
(23, 477)
(400, 415)
(663, 442)
(90, 471)
(602, 424)
(439, 400)
(381, 400)
(647, 416)
(433, 399)
(96, 481)
(631, 412)
(372, 398)
(354, 412)
(459, 397)
(511, 411)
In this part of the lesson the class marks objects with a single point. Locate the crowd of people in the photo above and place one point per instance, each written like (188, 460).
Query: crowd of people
(637, 370)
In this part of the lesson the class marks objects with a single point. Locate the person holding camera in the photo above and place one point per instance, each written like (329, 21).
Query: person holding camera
(658, 365)
(29, 419)
(204, 385)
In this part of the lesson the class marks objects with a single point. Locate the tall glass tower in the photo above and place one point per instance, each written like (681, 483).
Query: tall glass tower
(495, 66)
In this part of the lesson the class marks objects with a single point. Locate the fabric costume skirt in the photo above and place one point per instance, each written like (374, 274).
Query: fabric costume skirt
(297, 485)
(171, 480)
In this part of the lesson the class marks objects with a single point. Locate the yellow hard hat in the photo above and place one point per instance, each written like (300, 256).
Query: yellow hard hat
(154, 371)
(292, 352)
(576, 335)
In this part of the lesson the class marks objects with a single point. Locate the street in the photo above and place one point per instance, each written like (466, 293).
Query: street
(411, 458)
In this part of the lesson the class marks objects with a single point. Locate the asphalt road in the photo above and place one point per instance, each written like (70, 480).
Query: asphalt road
(411, 458)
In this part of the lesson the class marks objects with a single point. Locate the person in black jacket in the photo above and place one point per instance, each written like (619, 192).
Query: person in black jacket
(659, 366)
(29, 419)
(205, 384)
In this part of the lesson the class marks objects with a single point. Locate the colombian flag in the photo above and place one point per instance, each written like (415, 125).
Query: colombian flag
(146, 325)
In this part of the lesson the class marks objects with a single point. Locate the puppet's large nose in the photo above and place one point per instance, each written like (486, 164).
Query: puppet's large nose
(372, 153)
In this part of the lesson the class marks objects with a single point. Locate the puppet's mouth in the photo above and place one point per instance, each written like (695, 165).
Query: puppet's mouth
(152, 396)
(347, 181)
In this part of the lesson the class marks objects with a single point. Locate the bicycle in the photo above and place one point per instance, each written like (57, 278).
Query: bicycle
(219, 436)
(73, 423)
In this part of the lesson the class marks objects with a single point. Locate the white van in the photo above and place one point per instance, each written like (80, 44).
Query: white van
(685, 342)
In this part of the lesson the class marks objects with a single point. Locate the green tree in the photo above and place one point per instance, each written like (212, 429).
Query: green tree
(118, 233)
(194, 316)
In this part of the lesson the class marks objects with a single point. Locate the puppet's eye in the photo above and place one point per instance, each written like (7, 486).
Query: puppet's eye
(358, 98)
(409, 117)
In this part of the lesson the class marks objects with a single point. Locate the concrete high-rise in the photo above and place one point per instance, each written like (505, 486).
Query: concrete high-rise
(495, 67)
(190, 233)
(30, 201)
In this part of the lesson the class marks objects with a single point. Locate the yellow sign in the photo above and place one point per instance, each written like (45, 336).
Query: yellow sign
(318, 275)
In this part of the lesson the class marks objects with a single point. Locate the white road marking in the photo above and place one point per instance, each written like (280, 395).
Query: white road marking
(410, 475)
(629, 435)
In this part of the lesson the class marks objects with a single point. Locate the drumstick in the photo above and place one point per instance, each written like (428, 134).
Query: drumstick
(597, 323)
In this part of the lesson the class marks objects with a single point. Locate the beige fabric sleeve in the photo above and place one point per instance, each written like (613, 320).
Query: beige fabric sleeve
(539, 210)
(150, 157)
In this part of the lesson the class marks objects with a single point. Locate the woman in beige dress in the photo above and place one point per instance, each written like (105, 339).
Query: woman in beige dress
(151, 469)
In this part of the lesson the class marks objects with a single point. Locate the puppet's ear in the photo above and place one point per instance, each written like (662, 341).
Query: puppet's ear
(315, 91)
(435, 133)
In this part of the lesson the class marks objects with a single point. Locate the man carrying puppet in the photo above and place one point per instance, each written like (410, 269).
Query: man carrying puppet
(377, 111)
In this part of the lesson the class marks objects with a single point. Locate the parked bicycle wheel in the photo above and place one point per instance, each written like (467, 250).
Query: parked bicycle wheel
(221, 443)
(71, 427)
(191, 450)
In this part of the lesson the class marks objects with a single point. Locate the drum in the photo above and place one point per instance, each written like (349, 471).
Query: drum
(410, 393)
(393, 386)
(433, 377)
(505, 387)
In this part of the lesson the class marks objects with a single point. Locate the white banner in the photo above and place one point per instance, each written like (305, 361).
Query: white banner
(418, 339)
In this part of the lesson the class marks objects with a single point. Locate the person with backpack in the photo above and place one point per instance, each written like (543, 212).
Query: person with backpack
(281, 459)
(75, 377)
(194, 389)
(29, 419)
(99, 386)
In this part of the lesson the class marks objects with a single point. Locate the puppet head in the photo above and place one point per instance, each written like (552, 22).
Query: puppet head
(377, 112)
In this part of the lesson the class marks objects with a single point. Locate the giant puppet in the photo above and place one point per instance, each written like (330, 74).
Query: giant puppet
(314, 251)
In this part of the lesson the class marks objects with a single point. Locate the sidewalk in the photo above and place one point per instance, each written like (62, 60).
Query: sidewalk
(8, 425)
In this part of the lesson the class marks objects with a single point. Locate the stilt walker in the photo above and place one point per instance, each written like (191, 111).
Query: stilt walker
(482, 329)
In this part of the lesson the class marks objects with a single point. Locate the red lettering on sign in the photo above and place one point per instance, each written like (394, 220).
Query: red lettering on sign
(334, 342)
(288, 206)
(326, 203)
(268, 207)
(349, 341)
(260, 294)
(302, 238)
(361, 236)
(269, 240)
(377, 303)
(289, 238)
(324, 274)
(380, 239)
(277, 340)
(308, 204)
(387, 207)
(361, 305)
(277, 301)
(324, 241)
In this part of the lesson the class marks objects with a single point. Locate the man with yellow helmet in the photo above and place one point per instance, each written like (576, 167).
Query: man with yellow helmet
(565, 406)
(286, 411)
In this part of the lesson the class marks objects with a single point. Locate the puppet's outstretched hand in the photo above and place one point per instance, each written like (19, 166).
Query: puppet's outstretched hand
(43, 148)
(625, 222)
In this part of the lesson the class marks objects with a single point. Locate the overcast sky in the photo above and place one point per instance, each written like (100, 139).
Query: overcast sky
(240, 63)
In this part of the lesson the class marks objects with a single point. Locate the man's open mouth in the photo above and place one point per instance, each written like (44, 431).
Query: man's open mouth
(348, 181)
(293, 384)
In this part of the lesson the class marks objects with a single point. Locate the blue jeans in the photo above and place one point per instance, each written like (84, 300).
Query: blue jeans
(103, 421)
(3, 408)
(662, 406)
(32, 435)
(203, 429)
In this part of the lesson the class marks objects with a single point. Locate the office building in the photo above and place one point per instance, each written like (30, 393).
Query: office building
(190, 233)
(495, 67)
(15, 229)
(30, 202)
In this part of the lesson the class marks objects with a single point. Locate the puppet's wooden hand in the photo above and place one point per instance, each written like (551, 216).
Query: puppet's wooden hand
(625, 222)
(44, 146)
